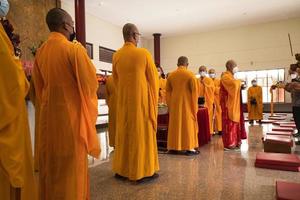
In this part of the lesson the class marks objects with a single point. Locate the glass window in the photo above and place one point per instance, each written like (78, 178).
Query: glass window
(265, 78)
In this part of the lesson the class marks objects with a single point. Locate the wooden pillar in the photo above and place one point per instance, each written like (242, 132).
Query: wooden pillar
(157, 47)
(80, 21)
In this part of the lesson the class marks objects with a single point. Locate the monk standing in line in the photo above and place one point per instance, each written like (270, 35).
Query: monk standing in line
(207, 91)
(230, 97)
(111, 100)
(255, 102)
(17, 179)
(217, 106)
(182, 96)
(136, 81)
(65, 87)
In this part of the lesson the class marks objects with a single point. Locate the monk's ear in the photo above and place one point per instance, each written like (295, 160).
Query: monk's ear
(64, 26)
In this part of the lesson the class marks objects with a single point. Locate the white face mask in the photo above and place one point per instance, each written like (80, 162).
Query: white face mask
(212, 75)
(202, 74)
(235, 70)
(293, 76)
(4, 8)
(254, 83)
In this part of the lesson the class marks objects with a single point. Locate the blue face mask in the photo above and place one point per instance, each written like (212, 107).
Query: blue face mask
(4, 7)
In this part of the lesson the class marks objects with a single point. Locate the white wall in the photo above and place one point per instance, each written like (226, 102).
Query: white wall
(99, 33)
(262, 46)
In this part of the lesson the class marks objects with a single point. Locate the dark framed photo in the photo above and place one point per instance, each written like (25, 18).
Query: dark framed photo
(89, 49)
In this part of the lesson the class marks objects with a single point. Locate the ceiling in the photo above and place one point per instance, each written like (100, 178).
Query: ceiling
(174, 17)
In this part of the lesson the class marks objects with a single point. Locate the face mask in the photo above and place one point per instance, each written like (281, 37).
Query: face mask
(202, 74)
(212, 75)
(254, 83)
(235, 70)
(293, 76)
(4, 7)
(72, 35)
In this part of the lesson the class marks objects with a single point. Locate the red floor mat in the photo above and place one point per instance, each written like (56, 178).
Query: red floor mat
(286, 190)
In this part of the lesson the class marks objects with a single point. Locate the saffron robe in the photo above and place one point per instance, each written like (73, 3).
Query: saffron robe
(255, 110)
(182, 100)
(207, 90)
(217, 106)
(16, 160)
(111, 100)
(230, 98)
(65, 87)
(136, 82)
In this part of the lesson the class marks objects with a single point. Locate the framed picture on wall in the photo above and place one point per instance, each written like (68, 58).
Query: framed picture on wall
(89, 49)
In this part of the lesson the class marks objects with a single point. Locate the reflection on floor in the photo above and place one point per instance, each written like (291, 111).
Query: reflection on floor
(214, 174)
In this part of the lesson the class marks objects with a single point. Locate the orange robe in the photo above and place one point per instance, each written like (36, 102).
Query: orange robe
(207, 90)
(255, 110)
(230, 97)
(183, 107)
(111, 101)
(162, 91)
(136, 82)
(16, 161)
(217, 106)
(65, 87)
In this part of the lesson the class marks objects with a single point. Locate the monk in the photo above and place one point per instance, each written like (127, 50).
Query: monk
(111, 101)
(230, 98)
(183, 107)
(207, 90)
(255, 103)
(162, 88)
(136, 82)
(65, 86)
(217, 106)
(17, 179)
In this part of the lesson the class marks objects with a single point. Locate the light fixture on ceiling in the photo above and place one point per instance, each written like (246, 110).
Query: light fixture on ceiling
(101, 3)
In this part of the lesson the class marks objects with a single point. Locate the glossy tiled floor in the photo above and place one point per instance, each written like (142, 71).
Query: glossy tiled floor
(214, 174)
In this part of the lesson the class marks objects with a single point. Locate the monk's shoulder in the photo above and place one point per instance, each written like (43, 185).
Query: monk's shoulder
(143, 52)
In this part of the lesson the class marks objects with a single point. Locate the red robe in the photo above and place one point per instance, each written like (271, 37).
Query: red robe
(233, 132)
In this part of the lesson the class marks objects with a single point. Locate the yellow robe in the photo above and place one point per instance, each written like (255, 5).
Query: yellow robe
(65, 87)
(255, 111)
(162, 91)
(207, 90)
(217, 105)
(16, 161)
(183, 107)
(111, 101)
(136, 81)
(233, 87)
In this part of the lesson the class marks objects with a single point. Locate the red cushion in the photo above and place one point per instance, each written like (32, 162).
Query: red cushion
(278, 167)
(279, 133)
(283, 129)
(288, 125)
(281, 122)
(280, 159)
(286, 190)
(279, 139)
(265, 121)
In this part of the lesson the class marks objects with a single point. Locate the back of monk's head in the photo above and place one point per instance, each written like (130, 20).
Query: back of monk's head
(230, 64)
(183, 61)
(131, 33)
(55, 18)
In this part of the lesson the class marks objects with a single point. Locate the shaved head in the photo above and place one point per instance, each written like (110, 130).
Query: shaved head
(183, 61)
(212, 71)
(202, 68)
(56, 17)
(129, 31)
(230, 64)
